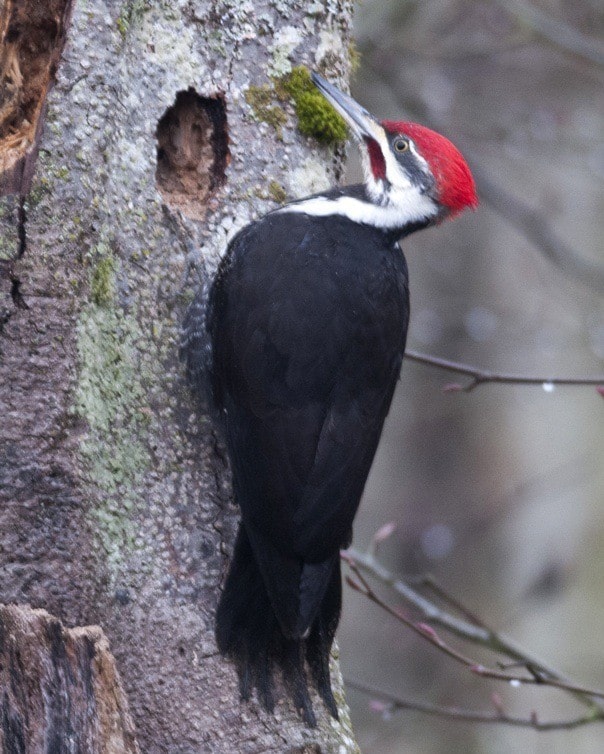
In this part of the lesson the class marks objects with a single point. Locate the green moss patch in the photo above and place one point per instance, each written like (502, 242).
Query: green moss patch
(316, 117)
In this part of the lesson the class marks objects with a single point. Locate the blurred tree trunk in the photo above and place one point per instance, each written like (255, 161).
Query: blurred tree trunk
(115, 502)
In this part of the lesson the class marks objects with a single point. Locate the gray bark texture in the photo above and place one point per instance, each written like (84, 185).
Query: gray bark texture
(115, 497)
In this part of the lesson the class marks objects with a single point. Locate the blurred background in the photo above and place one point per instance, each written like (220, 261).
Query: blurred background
(498, 492)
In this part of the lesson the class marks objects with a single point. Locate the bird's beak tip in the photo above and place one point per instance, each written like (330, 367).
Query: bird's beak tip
(362, 123)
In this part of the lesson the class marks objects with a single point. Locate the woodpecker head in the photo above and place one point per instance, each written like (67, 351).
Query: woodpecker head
(412, 173)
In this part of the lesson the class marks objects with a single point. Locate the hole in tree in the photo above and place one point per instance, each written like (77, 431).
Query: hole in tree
(192, 152)
(32, 37)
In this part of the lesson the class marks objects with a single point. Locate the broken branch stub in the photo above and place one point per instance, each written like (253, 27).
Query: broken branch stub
(59, 688)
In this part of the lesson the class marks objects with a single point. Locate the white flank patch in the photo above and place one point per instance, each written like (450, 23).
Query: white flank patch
(409, 206)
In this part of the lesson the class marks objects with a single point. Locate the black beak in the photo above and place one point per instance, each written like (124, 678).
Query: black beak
(362, 124)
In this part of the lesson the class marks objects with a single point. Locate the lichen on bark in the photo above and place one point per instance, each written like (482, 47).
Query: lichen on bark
(110, 397)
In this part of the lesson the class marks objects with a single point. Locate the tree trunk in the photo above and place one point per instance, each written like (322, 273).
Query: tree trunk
(115, 500)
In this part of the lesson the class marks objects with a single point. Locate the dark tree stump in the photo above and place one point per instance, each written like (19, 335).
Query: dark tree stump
(59, 688)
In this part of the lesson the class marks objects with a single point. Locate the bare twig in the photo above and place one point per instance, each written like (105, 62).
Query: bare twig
(455, 713)
(481, 376)
(429, 582)
(477, 633)
(422, 629)
(536, 678)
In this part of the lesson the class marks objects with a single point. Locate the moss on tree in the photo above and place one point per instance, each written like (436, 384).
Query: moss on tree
(316, 117)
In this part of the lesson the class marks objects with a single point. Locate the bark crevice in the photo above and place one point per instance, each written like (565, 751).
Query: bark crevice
(32, 37)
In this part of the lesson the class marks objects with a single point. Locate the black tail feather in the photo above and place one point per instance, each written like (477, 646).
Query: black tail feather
(318, 645)
(294, 676)
(246, 624)
(247, 630)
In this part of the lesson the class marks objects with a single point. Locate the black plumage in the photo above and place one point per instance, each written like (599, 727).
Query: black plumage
(307, 336)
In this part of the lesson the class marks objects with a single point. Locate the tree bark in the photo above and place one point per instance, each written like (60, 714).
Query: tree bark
(115, 499)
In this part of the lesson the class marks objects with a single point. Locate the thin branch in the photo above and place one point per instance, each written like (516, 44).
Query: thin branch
(455, 713)
(426, 632)
(536, 678)
(421, 629)
(481, 376)
(480, 634)
(477, 634)
(431, 612)
(428, 582)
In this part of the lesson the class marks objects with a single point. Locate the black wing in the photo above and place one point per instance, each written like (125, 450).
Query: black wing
(308, 337)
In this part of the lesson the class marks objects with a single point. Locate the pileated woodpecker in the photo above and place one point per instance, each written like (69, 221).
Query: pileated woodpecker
(305, 330)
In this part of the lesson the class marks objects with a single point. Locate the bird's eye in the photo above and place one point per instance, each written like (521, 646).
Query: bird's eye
(401, 145)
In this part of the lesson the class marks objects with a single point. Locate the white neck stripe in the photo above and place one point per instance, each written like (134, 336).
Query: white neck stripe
(413, 208)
